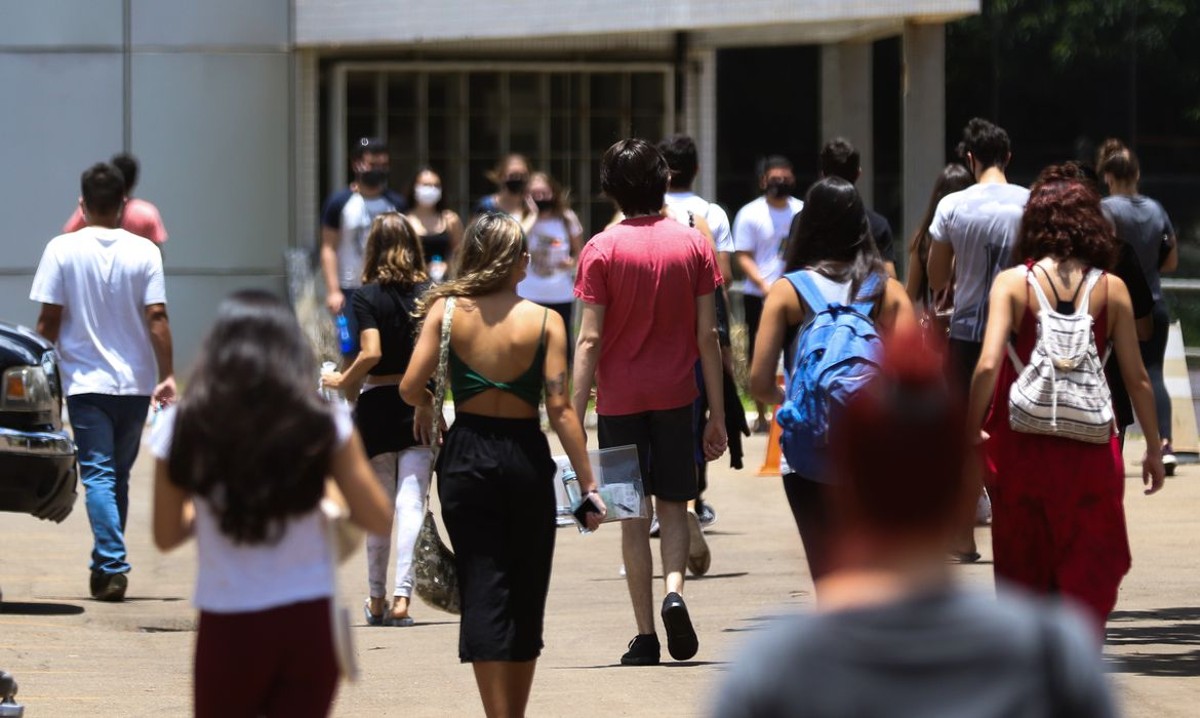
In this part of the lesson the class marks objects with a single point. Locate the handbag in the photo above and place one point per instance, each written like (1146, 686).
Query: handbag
(435, 578)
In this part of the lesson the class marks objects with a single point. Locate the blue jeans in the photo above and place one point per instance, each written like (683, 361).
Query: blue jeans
(108, 433)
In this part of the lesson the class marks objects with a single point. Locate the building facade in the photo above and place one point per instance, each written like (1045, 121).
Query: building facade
(242, 113)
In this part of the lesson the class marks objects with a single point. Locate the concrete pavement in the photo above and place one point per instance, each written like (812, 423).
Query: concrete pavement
(76, 657)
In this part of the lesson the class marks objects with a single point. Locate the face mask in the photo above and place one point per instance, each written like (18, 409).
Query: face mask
(544, 205)
(516, 185)
(373, 178)
(779, 190)
(427, 194)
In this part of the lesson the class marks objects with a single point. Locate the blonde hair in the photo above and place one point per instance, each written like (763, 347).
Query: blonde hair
(393, 254)
(492, 249)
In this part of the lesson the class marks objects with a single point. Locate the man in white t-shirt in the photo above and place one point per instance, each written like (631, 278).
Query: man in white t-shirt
(760, 232)
(680, 153)
(104, 306)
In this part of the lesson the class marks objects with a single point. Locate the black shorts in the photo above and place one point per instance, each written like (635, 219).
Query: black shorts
(496, 484)
(666, 444)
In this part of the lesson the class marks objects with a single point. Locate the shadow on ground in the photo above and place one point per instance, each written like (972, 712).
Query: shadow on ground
(1164, 628)
(20, 608)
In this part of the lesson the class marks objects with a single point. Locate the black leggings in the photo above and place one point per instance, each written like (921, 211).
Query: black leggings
(1153, 351)
(809, 501)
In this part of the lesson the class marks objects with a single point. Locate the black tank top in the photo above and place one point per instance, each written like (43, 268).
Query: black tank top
(436, 245)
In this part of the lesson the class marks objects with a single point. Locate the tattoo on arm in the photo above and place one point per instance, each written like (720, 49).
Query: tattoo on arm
(557, 386)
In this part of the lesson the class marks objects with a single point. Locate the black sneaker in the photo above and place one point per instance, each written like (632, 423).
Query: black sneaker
(1169, 460)
(644, 650)
(681, 637)
(108, 586)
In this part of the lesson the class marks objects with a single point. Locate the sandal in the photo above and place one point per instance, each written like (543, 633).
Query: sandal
(372, 619)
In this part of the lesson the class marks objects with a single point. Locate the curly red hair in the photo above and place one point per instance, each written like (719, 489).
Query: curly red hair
(1063, 220)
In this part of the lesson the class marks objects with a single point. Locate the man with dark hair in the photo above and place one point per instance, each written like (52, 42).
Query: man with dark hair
(973, 233)
(138, 217)
(839, 158)
(647, 288)
(760, 232)
(682, 159)
(104, 305)
(345, 220)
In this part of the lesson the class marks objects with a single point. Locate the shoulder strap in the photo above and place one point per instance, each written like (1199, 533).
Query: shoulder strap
(808, 290)
(867, 289)
(1043, 302)
(1086, 286)
(439, 391)
(545, 313)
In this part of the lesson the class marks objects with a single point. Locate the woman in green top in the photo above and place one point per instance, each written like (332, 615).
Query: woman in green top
(495, 474)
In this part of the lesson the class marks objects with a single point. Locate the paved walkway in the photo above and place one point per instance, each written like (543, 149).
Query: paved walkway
(77, 657)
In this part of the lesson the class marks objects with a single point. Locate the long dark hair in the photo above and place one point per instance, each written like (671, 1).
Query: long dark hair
(252, 435)
(831, 236)
(953, 178)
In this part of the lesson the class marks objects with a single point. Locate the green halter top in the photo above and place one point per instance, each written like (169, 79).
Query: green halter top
(466, 383)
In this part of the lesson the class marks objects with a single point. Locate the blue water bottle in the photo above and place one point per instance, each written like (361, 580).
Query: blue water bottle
(345, 341)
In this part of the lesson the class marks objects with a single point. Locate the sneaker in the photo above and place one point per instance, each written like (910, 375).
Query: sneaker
(681, 637)
(761, 426)
(1168, 459)
(699, 557)
(644, 650)
(654, 526)
(704, 510)
(108, 586)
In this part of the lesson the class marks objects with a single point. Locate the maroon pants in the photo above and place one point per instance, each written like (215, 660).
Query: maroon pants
(277, 662)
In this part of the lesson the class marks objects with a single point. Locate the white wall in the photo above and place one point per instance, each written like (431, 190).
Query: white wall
(200, 92)
(325, 22)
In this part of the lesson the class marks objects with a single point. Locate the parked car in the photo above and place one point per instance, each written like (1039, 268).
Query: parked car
(37, 457)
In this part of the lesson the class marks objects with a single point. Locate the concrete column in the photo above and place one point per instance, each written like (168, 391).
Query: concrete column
(700, 101)
(924, 90)
(305, 149)
(846, 106)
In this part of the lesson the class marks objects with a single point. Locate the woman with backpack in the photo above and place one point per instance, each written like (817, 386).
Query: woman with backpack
(1053, 464)
(830, 252)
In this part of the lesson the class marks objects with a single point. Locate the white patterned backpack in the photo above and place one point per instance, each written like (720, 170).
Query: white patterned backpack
(1062, 390)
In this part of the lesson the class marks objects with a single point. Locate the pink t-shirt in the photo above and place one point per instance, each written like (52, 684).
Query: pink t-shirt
(139, 217)
(647, 273)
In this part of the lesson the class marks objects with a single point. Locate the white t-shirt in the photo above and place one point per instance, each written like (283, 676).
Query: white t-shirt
(545, 281)
(103, 279)
(981, 224)
(718, 221)
(237, 578)
(762, 231)
(357, 215)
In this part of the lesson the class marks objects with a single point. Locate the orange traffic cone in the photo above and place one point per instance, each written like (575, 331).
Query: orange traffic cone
(770, 465)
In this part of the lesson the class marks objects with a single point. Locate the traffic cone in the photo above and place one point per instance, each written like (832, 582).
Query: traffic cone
(770, 466)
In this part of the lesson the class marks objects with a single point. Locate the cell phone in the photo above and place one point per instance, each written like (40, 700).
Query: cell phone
(587, 506)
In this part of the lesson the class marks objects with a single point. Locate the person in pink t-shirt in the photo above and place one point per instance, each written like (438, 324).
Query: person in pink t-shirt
(138, 217)
(647, 288)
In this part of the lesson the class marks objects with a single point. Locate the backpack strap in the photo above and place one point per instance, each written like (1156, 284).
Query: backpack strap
(1086, 286)
(867, 289)
(1043, 300)
(808, 290)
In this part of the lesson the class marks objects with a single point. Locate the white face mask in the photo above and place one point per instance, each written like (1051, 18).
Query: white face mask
(427, 194)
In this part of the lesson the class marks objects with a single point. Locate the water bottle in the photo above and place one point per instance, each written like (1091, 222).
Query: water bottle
(330, 395)
(345, 341)
(571, 483)
(437, 268)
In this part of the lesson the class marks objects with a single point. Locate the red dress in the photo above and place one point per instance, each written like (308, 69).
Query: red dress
(1058, 518)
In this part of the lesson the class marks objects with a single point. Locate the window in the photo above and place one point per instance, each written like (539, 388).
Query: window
(461, 119)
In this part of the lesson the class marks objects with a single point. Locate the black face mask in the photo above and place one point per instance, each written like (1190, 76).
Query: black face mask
(779, 190)
(373, 178)
(516, 185)
(544, 205)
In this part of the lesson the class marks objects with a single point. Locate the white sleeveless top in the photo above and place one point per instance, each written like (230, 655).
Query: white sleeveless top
(239, 578)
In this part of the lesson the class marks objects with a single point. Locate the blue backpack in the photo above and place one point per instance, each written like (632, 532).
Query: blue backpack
(837, 354)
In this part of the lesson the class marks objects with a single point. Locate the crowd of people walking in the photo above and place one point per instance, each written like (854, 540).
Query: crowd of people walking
(1013, 300)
